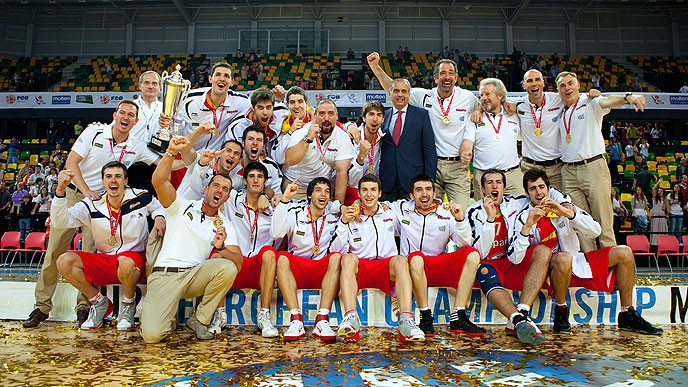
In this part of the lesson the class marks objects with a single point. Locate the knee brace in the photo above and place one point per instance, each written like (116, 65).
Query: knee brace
(488, 279)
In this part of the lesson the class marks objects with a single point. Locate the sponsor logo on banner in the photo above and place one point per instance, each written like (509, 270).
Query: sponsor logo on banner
(10, 99)
(85, 98)
(678, 99)
(105, 99)
(354, 98)
(61, 100)
(657, 100)
(39, 100)
(379, 97)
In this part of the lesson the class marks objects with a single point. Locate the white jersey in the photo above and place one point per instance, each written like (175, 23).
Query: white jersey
(483, 232)
(195, 112)
(97, 148)
(356, 170)
(373, 237)
(585, 120)
(132, 231)
(429, 233)
(148, 120)
(293, 221)
(546, 146)
(458, 107)
(567, 238)
(252, 233)
(273, 180)
(189, 236)
(492, 150)
(319, 159)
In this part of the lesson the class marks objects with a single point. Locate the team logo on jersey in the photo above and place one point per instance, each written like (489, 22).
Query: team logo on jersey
(97, 145)
(406, 222)
(239, 215)
(134, 205)
(300, 233)
(358, 239)
(582, 116)
(443, 228)
(190, 215)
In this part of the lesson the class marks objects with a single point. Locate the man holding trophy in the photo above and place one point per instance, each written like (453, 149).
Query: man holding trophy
(217, 104)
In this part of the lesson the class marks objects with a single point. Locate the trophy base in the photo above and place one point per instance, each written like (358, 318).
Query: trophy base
(158, 145)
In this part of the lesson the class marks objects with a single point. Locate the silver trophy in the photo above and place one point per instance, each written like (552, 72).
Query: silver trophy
(174, 91)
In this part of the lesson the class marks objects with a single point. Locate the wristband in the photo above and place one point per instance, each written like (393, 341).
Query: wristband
(266, 195)
(283, 202)
(61, 196)
(170, 154)
(220, 248)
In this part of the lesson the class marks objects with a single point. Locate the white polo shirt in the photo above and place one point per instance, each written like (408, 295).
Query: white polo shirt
(337, 147)
(273, 131)
(292, 220)
(148, 120)
(132, 232)
(194, 112)
(489, 152)
(373, 237)
(447, 136)
(96, 146)
(189, 236)
(356, 170)
(243, 218)
(547, 146)
(429, 233)
(274, 178)
(586, 130)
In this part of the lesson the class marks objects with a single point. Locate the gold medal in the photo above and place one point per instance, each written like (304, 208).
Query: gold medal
(112, 240)
(316, 250)
(568, 138)
(446, 120)
(538, 132)
(217, 222)
(371, 169)
(497, 137)
(322, 160)
(250, 239)
(445, 205)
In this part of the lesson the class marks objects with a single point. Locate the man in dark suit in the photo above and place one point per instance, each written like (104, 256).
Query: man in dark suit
(408, 146)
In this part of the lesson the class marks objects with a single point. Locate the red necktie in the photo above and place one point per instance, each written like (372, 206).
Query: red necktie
(396, 134)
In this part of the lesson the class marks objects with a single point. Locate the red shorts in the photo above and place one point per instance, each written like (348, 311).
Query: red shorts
(308, 273)
(603, 277)
(510, 275)
(444, 270)
(351, 196)
(374, 274)
(101, 269)
(249, 275)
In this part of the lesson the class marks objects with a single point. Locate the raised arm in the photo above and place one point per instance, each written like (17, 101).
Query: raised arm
(380, 74)
(161, 182)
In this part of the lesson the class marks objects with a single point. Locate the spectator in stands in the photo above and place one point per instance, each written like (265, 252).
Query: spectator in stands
(631, 133)
(52, 131)
(684, 202)
(399, 56)
(41, 208)
(659, 213)
(57, 151)
(24, 171)
(5, 205)
(259, 71)
(682, 168)
(51, 180)
(78, 128)
(676, 200)
(684, 88)
(59, 160)
(631, 151)
(640, 208)
(614, 159)
(13, 151)
(636, 83)
(644, 180)
(407, 56)
(25, 214)
(238, 54)
(35, 189)
(655, 134)
(644, 149)
(108, 70)
(620, 212)
(350, 54)
(604, 84)
(35, 176)
(244, 72)
(613, 132)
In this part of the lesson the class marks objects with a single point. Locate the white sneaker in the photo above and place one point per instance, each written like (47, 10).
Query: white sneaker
(264, 324)
(218, 322)
(409, 331)
(528, 332)
(125, 318)
(97, 313)
(323, 331)
(350, 328)
(295, 331)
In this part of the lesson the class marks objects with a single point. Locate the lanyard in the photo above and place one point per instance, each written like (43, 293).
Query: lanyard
(112, 149)
(538, 121)
(253, 226)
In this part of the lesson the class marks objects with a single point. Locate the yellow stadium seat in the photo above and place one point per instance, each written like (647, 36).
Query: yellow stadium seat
(9, 176)
(626, 197)
(665, 184)
(33, 159)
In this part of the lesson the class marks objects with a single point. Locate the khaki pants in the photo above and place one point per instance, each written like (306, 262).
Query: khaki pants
(514, 182)
(590, 188)
(301, 194)
(553, 172)
(212, 279)
(59, 242)
(452, 177)
(152, 250)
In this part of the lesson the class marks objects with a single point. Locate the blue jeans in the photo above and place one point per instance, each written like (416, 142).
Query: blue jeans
(24, 227)
(675, 225)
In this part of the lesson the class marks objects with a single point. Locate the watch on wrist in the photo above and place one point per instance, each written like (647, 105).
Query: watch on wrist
(626, 97)
(307, 140)
(220, 248)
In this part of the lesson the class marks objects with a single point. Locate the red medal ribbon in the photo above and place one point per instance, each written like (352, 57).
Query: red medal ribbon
(115, 216)
(320, 148)
(435, 203)
(371, 153)
(567, 128)
(538, 122)
(446, 113)
(499, 126)
(112, 149)
(316, 236)
(254, 226)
